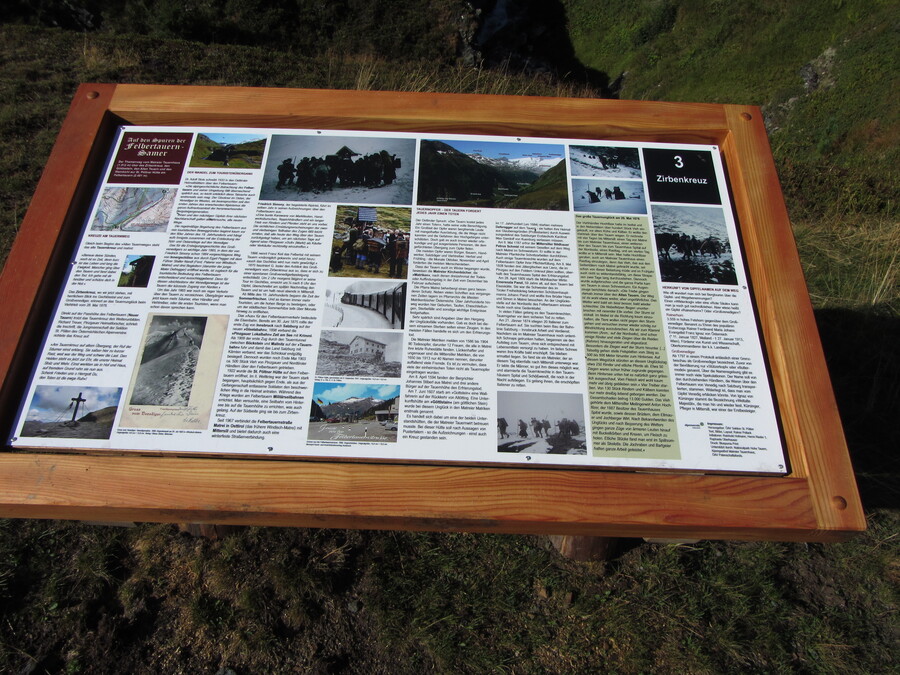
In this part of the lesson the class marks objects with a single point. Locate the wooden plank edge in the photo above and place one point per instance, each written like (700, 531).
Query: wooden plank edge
(48, 224)
(329, 495)
(796, 354)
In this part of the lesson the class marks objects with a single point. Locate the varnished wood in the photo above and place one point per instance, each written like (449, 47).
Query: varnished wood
(818, 501)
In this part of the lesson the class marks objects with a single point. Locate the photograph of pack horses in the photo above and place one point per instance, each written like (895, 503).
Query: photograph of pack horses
(692, 245)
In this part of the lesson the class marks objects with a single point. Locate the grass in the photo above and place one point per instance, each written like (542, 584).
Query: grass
(77, 598)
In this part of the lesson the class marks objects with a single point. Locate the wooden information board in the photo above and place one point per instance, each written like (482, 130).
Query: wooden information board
(817, 499)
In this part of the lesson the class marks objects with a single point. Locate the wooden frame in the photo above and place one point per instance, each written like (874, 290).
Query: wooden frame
(818, 501)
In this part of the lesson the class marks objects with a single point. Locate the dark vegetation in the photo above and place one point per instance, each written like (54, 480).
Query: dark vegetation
(81, 598)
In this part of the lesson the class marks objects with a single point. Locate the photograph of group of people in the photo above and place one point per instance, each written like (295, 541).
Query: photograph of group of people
(609, 196)
(371, 242)
(363, 320)
(541, 423)
(339, 169)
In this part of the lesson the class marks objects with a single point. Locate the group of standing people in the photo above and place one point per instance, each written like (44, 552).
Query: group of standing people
(540, 428)
(367, 247)
(320, 174)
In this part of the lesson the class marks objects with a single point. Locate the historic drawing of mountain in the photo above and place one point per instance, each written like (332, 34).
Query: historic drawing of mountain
(169, 361)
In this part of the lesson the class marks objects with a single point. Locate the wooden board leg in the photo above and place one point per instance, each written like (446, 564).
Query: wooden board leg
(207, 530)
(584, 549)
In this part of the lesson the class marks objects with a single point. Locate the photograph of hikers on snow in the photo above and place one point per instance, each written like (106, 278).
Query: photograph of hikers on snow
(609, 196)
(370, 242)
(602, 161)
(169, 361)
(228, 151)
(359, 354)
(692, 245)
(71, 412)
(364, 303)
(541, 423)
(497, 175)
(339, 169)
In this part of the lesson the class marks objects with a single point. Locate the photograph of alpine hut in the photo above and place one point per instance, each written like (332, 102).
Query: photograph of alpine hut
(325, 168)
(365, 303)
(363, 346)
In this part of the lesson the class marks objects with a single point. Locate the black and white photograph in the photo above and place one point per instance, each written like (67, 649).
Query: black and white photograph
(136, 271)
(609, 196)
(365, 303)
(604, 161)
(71, 412)
(356, 413)
(692, 245)
(343, 169)
(359, 354)
(541, 423)
(370, 242)
(499, 175)
(169, 361)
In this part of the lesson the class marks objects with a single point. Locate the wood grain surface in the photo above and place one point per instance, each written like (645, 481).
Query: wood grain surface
(817, 502)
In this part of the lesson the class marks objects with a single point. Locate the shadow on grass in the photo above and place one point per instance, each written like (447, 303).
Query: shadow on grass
(533, 37)
(863, 354)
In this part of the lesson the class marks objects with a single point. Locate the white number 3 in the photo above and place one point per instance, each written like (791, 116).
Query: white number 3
(679, 162)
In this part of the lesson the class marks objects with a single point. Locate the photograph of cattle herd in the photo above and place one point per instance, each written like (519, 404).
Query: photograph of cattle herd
(692, 245)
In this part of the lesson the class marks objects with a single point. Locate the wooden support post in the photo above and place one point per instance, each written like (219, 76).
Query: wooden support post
(208, 530)
(584, 549)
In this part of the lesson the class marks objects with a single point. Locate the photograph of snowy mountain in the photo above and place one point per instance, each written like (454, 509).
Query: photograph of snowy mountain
(541, 423)
(359, 354)
(692, 245)
(608, 196)
(347, 169)
(169, 361)
(493, 175)
(366, 413)
(364, 303)
(603, 161)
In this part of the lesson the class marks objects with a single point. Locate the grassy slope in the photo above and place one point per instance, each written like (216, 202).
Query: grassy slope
(80, 599)
(841, 137)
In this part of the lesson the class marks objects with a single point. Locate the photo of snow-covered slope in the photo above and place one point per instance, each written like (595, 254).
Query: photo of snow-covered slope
(541, 423)
(602, 161)
(346, 169)
(608, 196)
(169, 361)
(692, 245)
